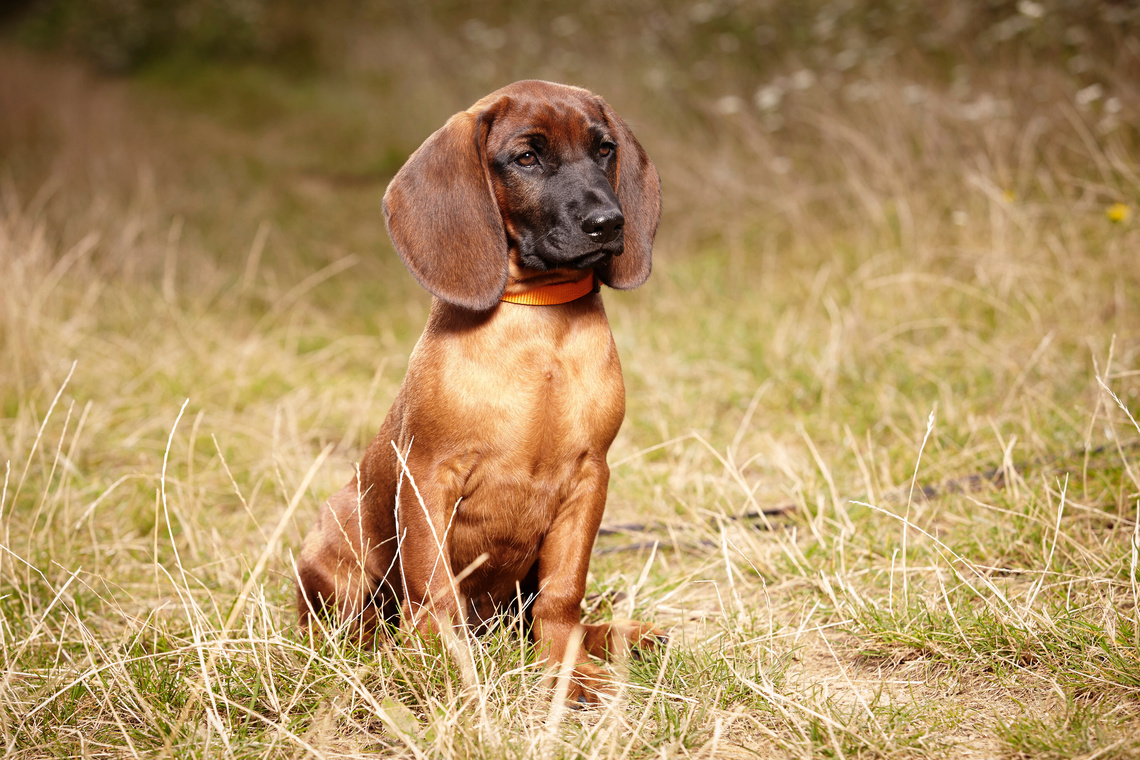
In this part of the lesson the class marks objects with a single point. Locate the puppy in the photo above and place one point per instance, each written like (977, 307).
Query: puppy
(486, 484)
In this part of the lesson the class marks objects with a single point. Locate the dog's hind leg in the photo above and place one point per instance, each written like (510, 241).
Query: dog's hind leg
(347, 573)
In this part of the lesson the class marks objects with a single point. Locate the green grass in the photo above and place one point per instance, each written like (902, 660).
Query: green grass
(891, 309)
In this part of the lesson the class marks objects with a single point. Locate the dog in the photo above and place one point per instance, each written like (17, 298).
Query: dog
(484, 489)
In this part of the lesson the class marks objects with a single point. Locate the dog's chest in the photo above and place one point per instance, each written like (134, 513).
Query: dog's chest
(525, 387)
(528, 424)
(523, 419)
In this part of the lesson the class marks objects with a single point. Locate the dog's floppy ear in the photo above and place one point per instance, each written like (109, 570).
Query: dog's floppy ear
(639, 193)
(443, 218)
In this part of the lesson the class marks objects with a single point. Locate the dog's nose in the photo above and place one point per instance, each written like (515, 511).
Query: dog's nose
(604, 225)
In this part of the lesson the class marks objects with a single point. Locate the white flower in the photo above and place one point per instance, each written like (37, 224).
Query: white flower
(768, 98)
(913, 94)
(1089, 94)
(861, 90)
(729, 104)
(802, 79)
(846, 59)
(702, 12)
(565, 26)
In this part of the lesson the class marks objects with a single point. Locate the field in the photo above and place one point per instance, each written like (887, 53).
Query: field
(879, 475)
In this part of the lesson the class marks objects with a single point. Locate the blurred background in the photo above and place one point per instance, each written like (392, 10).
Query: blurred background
(783, 131)
(803, 147)
(768, 119)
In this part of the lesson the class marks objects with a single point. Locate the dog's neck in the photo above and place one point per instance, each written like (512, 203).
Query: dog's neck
(553, 293)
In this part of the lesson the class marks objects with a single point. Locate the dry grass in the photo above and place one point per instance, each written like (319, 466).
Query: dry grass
(879, 473)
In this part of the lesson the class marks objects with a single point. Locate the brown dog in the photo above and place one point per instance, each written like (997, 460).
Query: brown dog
(485, 486)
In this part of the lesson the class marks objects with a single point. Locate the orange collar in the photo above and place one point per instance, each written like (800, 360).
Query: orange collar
(551, 295)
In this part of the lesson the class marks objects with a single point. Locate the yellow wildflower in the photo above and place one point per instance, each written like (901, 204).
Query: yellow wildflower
(1118, 213)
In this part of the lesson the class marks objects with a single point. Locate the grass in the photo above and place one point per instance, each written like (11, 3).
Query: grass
(880, 469)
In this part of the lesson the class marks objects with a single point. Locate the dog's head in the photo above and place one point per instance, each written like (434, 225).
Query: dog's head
(542, 173)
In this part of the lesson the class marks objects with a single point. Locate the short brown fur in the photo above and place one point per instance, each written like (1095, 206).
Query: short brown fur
(492, 460)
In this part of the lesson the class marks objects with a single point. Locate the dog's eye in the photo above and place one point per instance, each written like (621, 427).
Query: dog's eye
(605, 149)
(527, 159)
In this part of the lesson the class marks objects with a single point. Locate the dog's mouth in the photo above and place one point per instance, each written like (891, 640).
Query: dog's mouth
(592, 259)
(558, 248)
(599, 255)
(588, 260)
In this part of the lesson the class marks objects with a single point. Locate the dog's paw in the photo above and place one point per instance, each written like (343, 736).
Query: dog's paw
(621, 638)
(588, 685)
(641, 636)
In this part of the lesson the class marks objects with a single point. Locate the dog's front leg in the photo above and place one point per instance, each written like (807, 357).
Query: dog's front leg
(563, 562)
